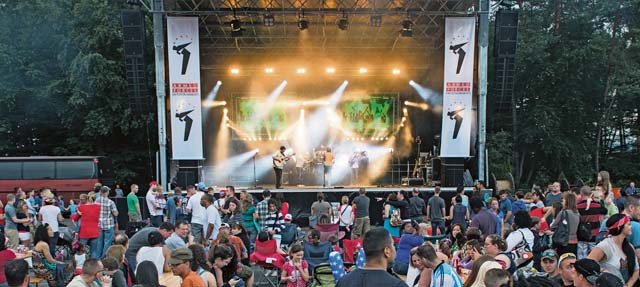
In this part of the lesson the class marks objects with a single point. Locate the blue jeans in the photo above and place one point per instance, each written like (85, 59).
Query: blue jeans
(437, 225)
(92, 243)
(156, 220)
(196, 231)
(104, 242)
(53, 243)
(400, 267)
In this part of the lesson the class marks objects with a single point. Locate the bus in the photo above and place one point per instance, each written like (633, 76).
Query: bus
(68, 175)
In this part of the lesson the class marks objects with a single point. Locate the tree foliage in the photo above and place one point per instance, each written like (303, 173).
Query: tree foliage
(62, 84)
(571, 57)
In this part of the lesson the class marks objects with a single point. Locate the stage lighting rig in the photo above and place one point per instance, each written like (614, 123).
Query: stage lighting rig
(343, 23)
(269, 20)
(407, 28)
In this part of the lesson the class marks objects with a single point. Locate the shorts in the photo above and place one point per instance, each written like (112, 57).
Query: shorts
(134, 217)
(24, 236)
(245, 272)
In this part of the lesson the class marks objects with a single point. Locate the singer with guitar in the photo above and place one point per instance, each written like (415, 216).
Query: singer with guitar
(279, 159)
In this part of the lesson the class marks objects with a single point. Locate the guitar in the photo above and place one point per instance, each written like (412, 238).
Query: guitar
(280, 162)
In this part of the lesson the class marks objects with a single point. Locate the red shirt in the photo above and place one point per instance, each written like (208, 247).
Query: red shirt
(5, 256)
(89, 222)
(2, 222)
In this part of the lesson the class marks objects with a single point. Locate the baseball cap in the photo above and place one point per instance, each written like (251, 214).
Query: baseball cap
(565, 256)
(288, 217)
(225, 225)
(549, 253)
(223, 192)
(608, 280)
(153, 183)
(180, 256)
(105, 188)
(201, 186)
(588, 268)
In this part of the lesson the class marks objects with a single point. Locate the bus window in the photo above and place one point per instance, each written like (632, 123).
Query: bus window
(75, 169)
(10, 170)
(38, 170)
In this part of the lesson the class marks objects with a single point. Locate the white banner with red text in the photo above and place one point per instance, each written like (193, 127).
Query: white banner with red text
(183, 48)
(457, 105)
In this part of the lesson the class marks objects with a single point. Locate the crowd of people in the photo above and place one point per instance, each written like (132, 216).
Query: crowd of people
(582, 236)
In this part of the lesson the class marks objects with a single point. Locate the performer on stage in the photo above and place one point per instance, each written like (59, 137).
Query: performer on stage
(354, 163)
(329, 159)
(279, 159)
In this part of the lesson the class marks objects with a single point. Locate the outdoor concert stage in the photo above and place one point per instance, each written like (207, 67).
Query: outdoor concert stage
(347, 189)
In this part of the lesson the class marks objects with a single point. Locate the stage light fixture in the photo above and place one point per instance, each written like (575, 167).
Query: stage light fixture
(301, 71)
(303, 23)
(269, 20)
(407, 28)
(343, 23)
(395, 71)
(268, 70)
(219, 83)
(363, 70)
(412, 82)
(404, 110)
(236, 28)
(331, 70)
(235, 71)
(375, 20)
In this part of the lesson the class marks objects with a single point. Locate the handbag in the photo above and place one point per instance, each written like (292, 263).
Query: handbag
(560, 236)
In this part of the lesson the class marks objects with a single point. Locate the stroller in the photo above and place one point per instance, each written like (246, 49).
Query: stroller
(65, 243)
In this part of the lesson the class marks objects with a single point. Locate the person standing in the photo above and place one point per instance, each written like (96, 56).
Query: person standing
(418, 207)
(570, 216)
(198, 213)
(279, 159)
(483, 220)
(107, 223)
(631, 190)
(213, 219)
(329, 160)
(89, 231)
(51, 214)
(378, 245)
(614, 253)
(133, 205)
(555, 195)
(321, 207)
(505, 208)
(345, 216)
(361, 205)
(172, 203)
(155, 210)
(436, 212)
(119, 191)
(566, 271)
(12, 221)
(262, 208)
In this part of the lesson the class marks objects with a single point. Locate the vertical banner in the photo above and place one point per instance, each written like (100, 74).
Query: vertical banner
(184, 77)
(457, 114)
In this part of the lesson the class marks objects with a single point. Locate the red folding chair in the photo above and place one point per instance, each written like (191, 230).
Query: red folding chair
(327, 230)
(350, 248)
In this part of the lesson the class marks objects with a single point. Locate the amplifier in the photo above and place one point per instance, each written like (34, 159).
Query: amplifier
(412, 181)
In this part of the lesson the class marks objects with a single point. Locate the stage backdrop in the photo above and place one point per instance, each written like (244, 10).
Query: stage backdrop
(457, 113)
(184, 78)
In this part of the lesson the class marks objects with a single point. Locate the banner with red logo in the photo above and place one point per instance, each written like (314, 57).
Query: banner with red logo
(457, 108)
(183, 48)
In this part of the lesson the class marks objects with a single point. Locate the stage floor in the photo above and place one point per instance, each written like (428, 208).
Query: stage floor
(346, 189)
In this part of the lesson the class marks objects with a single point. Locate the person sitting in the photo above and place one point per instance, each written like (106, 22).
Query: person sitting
(156, 252)
(472, 252)
(200, 265)
(587, 272)
(92, 275)
(481, 268)
(475, 269)
(378, 245)
(112, 268)
(410, 238)
(17, 273)
(550, 264)
(495, 246)
(180, 262)
(44, 265)
(497, 278)
(6, 255)
(147, 275)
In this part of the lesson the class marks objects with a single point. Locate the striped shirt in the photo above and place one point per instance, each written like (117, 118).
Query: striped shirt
(592, 215)
(273, 221)
(443, 275)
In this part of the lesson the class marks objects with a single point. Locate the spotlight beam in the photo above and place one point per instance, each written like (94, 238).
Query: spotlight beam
(210, 98)
(427, 94)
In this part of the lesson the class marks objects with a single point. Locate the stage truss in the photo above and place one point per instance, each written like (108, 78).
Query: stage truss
(323, 36)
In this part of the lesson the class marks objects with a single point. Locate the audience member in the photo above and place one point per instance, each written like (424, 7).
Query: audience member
(93, 275)
(180, 263)
(223, 265)
(607, 253)
(213, 220)
(498, 278)
(155, 252)
(566, 271)
(296, 270)
(483, 219)
(345, 216)
(181, 237)
(418, 206)
(147, 275)
(361, 205)
(17, 272)
(198, 212)
(6, 255)
(107, 223)
(200, 265)
(141, 239)
(443, 274)
(410, 238)
(549, 263)
(133, 205)
(569, 216)
(587, 272)
(112, 268)
(436, 212)
(378, 246)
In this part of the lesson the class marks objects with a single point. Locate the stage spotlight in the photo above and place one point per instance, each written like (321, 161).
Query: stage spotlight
(236, 29)
(331, 70)
(219, 83)
(303, 24)
(404, 110)
(375, 20)
(395, 71)
(235, 71)
(269, 20)
(407, 28)
(363, 70)
(225, 110)
(228, 125)
(343, 23)
(301, 71)
(268, 70)
(412, 82)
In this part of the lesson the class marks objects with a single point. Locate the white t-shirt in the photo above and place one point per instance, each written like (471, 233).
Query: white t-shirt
(80, 259)
(346, 215)
(219, 203)
(198, 212)
(50, 215)
(213, 217)
(153, 254)
(614, 258)
(151, 199)
(515, 237)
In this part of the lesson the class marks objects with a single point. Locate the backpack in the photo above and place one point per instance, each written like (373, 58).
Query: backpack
(522, 254)
(584, 232)
(561, 234)
(396, 220)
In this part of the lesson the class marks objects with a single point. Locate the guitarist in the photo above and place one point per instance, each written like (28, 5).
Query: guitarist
(279, 159)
